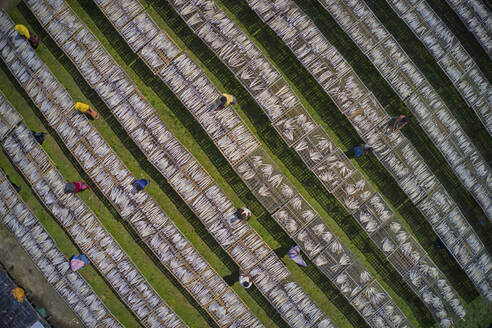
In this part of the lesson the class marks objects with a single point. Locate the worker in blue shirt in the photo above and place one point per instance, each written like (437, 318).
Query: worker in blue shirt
(359, 151)
(141, 184)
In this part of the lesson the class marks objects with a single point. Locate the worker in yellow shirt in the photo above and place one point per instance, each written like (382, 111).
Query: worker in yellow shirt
(224, 101)
(86, 109)
(31, 37)
(22, 31)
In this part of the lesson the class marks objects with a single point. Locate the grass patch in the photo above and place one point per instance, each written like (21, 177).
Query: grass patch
(479, 315)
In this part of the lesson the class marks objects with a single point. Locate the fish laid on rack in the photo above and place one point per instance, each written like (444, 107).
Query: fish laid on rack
(198, 97)
(115, 182)
(263, 189)
(448, 52)
(391, 150)
(477, 18)
(409, 83)
(336, 171)
(9, 117)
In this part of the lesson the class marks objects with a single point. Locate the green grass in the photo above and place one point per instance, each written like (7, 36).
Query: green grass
(479, 315)
(182, 124)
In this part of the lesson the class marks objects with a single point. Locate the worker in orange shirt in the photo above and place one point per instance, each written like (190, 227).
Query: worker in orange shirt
(18, 294)
(86, 109)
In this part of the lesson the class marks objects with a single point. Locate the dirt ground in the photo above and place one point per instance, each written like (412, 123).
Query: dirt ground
(25, 274)
(7, 4)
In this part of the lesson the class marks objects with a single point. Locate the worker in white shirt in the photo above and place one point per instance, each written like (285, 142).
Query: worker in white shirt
(245, 280)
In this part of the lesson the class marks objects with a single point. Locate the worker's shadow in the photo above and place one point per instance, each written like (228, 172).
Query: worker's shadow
(232, 278)
(281, 251)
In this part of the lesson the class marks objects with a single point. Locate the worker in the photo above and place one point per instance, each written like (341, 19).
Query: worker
(296, 255)
(23, 30)
(141, 184)
(77, 262)
(224, 100)
(396, 124)
(86, 109)
(74, 187)
(18, 294)
(359, 151)
(31, 37)
(245, 280)
(241, 214)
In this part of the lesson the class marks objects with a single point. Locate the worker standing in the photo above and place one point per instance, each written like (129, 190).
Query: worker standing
(78, 261)
(86, 109)
(224, 100)
(18, 293)
(31, 37)
(38, 136)
(75, 187)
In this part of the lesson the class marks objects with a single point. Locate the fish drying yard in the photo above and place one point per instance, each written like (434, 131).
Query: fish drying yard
(358, 130)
